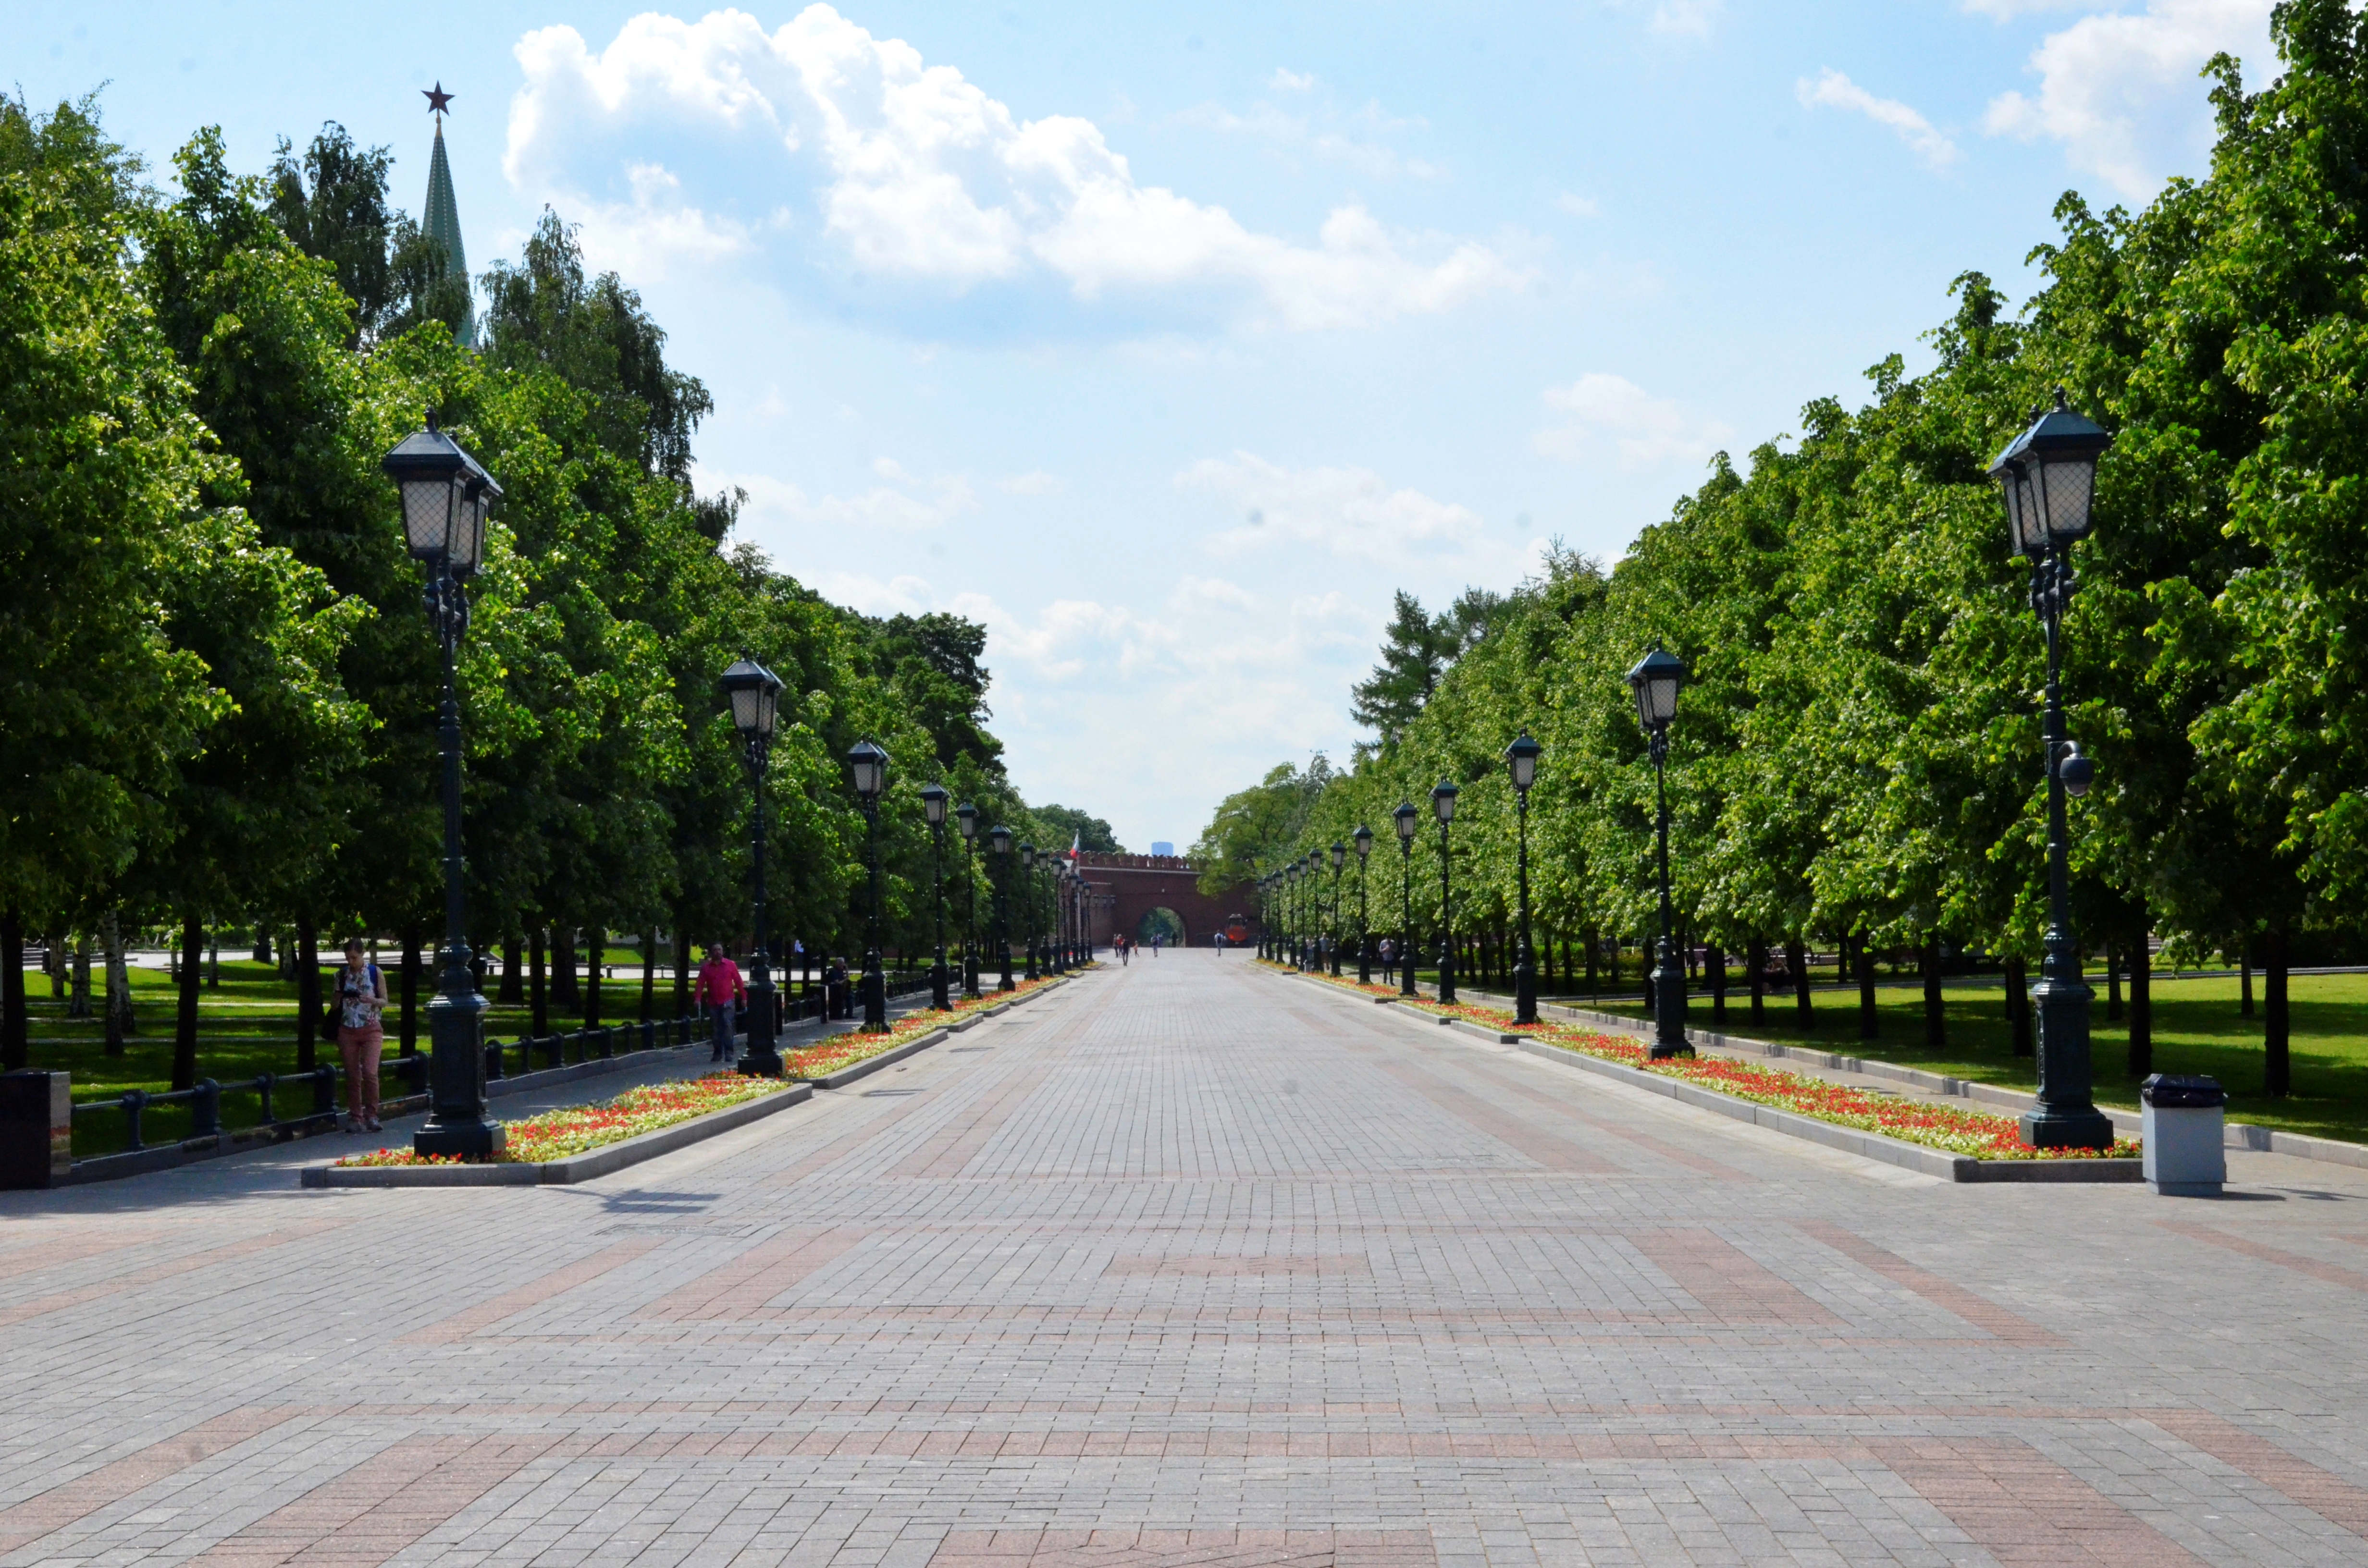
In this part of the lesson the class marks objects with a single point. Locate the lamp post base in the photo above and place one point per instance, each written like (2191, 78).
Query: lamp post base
(457, 1127)
(2044, 1127)
(938, 981)
(1525, 993)
(1669, 1008)
(762, 1059)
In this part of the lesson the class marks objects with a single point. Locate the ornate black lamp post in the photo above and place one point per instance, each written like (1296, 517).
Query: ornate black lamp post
(1656, 680)
(446, 499)
(934, 799)
(2049, 477)
(869, 765)
(1407, 818)
(966, 818)
(1340, 858)
(1522, 757)
(999, 842)
(1443, 806)
(756, 694)
(1028, 904)
(1363, 839)
(1269, 927)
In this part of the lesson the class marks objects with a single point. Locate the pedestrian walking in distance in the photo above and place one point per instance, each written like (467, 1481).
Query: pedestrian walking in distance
(1389, 956)
(361, 998)
(721, 991)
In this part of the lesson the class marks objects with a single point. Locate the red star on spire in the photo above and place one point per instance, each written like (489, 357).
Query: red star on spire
(438, 98)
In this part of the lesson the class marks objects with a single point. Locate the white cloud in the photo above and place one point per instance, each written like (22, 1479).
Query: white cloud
(1034, 482)
(1356, 138)
(1350, 511)
(1288, 81)
(1643, 428)
(1683, 19)
(914, 176)
(2120, 90)
(1834, 90)
(1578, 205)
(907, 502)
(2006, 10)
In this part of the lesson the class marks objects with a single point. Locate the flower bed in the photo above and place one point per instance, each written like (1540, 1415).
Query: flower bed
(572, 1130)
(843, 1050)
(1985, 1135)
(1364, 988)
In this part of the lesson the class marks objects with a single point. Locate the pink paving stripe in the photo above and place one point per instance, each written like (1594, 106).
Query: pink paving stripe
(845, 1144)
(1669, 1151)
(1730, 1284)
(61, 1506)
(2328, 1495)
(1185, 1548)
(2328, 1273)
(28, 1255)
(558, 1282)
(1555, 1153)
(362, 1518)
(2022, 1507)
(951, 1149)
(1978, 1310)
(1226, 1264)
(40, 1306)
(740, 1289)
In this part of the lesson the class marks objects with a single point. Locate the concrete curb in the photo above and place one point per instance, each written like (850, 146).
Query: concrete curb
(872, 1065)
(585, 1166)
(1848, 1140)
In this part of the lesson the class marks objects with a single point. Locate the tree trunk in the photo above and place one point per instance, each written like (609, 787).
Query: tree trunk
(1936, 1013)
(80, 1007)
(2277, 1068)
(563, 988)
(1797, 957)
(262, 944)
(53, 950)
(411, 993)
(2113, 983)
(1756, 954)
(2018, 1007)
(1594, 944)
(2141, 1009)
(681, 963)
(2245, 980)
(1615, 964)
(596, 939)
(1869, 1023)
(1714, 959)
(308, 994)
(649, 975)
(119, 1021)
(184, 1015)
(16, 1036)
(213, 960)
(513, 991)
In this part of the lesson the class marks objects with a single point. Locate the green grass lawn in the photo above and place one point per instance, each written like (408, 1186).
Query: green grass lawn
(2197, 1028)
(246, 1028)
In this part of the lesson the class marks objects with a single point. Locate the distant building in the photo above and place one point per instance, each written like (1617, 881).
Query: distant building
(1161, 846)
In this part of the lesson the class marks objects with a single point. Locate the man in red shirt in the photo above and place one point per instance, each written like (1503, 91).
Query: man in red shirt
(721, 991)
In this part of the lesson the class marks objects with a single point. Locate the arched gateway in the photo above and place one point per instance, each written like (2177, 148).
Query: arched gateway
(1123, 888)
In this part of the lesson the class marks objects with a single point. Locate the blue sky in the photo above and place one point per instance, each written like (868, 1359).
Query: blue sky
(1169, 340)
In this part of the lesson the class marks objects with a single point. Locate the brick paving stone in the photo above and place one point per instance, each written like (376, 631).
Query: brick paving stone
(1184, 1265)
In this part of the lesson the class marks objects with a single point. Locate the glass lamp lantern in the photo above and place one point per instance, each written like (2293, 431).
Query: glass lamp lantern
(1442, 800)
(2047, 476)
(1408, 818)
(871, 768)
(1363, 839)
(756, 696)
(1521, 757)
(1656, 680)
(933, 803)
(446, 497)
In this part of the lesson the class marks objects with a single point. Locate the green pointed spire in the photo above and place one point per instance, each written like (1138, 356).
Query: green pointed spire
(443, 226)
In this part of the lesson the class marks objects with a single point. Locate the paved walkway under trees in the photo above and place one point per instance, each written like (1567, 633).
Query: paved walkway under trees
(1187, 1264)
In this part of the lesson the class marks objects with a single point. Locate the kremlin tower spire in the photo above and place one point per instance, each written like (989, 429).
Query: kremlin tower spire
(443, 215)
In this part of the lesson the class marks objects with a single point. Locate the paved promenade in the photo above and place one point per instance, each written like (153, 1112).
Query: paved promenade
(1185, 1264)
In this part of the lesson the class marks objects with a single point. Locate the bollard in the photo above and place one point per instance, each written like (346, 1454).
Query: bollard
(135, 1101)
(205, 1108)
(2186, 1152)
(263, 1082)
(325, 1091)
(493, 1059)
(36, 1129)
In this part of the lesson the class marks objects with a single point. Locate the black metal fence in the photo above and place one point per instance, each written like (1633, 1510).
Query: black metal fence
(204, 1100)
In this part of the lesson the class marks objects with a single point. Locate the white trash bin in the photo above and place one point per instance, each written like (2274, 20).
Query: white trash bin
(2186, 1152)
